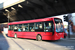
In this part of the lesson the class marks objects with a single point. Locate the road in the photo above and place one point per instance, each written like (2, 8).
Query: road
(7, 43)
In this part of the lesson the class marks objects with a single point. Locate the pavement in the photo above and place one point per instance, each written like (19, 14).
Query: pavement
(72, 37)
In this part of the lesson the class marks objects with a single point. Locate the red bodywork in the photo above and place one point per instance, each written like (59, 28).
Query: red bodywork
(33, 35)
(65, 34)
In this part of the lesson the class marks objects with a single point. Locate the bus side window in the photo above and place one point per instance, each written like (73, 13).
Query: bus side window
(31, 27)
(10, 27)
(26, 27)
(38, 25)
(23, 27)
(15, 28)
(20, 27)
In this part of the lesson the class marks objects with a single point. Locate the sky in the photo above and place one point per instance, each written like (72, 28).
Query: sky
(2, 1)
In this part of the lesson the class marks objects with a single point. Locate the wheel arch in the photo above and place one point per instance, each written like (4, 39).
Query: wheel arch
(37, 35)
(15, 34)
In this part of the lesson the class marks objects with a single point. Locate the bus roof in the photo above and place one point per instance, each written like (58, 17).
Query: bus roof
(32, 21)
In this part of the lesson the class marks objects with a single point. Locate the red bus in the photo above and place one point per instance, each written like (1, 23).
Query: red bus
(39, 29)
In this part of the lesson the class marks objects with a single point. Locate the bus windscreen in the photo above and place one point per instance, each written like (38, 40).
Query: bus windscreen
(58, 25)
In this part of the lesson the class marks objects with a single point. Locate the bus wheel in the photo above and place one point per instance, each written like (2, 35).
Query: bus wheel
(64, 36)
(15, 36)
(39, 38)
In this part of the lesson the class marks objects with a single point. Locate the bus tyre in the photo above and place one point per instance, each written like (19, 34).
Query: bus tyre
(39, 38)
(64, 36)
(15, 36)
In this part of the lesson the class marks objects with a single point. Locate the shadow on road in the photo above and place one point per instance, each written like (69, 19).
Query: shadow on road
(3, 43)
(7, 35)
